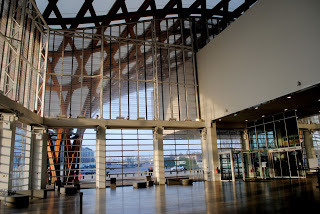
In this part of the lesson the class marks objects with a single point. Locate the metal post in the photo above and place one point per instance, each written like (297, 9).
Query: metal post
(232, 167)
(119, 72)
(194, 70)
(19, 50)
(137, 73)
(45, 74)
(169, 67)
(29, 66)
(82, 65)
(155, 70)
(184, 69)
(101, 72)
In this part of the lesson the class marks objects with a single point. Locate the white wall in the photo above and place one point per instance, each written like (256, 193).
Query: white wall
(261, 56)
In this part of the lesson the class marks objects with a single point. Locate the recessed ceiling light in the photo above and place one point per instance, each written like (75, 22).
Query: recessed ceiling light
(262, 115)
(246, 120)
(256, 107)
(285, 109)
(288, 97)
(319, 100)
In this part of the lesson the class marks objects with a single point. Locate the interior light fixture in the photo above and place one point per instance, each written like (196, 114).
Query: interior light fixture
(319, 100)
(263, 116)
(288, 97)
(219, 119)
(285, 109)
(256, 107)
(235, 115)
(246, 120)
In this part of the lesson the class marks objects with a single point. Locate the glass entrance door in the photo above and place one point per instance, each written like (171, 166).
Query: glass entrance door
(287, 164)
(225, 166)
(252, 164)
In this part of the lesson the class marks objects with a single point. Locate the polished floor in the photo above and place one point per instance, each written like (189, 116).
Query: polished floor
(275, 196)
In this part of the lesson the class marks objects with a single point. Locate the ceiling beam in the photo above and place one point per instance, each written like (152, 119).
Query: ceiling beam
(132, 15)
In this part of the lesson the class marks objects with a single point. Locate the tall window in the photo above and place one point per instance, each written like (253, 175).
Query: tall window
(21, 157)
(182, 153)
(129, 155)
(229, 140)
(144, 70)
(71, 155)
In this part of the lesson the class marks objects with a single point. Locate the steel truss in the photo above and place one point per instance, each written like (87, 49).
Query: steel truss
(25, 53)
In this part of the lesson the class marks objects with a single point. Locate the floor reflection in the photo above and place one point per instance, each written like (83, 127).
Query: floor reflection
(275, 196)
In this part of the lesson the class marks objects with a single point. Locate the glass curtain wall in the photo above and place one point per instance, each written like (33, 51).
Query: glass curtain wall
(316, 144)
(129, 155)
(280, 145)
(21, 157)
(71, 155)
(143, 70)
(229, 140)
(182, 154)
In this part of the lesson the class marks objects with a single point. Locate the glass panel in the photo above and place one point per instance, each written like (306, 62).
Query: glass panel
(293, 164)
(252, 139)
(271, 142)
(292, 130)
(261, 137)
(133, 159)
(276, 164)
(284, 164)
(225, 167)
(182, 153)
(237, 165)
(265, 165)
(256, 164)
(300, 163)
(281, 133)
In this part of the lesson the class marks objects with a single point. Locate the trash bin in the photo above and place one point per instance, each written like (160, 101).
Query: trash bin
(113, 183)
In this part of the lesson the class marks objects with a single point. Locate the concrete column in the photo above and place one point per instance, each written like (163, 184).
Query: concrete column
(232, 167)
(158, 159)
(38, 159)
(101, 158)
(311, 154)
(212, 153)
(205, 156)
(7, 140)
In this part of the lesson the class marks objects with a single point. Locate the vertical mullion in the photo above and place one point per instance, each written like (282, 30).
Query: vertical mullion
(71, 92)
(176, 63)
(145, 69)
(128, 62)
(82, 67)
(61, 77)
(161, 73)
(122, 156)
(119, 71)
(169, 70)
(110, 70)
(184, 68)
(137, 73)
(91, 72)
(101, 72)
(49, 109)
